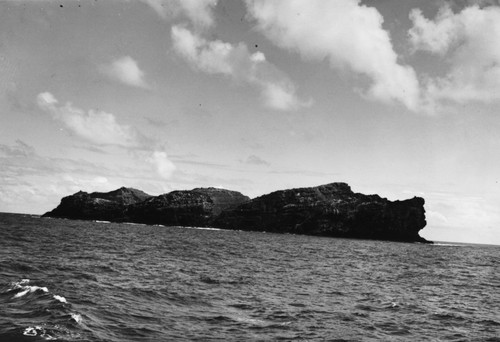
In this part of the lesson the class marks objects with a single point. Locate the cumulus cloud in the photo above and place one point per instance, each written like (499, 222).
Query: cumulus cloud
(347, 33)
(127, 71)
(94, 126)
(236, 62)
(200, 12)
(469, 40)
(162, 164)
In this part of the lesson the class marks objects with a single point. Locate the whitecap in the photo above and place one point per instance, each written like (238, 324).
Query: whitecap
(29, 289)
(76, 317)
(18, 285)
(24, 288)
(201, 228)
(204, 228)
(446, 244)
(38, 331)
(60, 298)
(22, 293)
(33, 331)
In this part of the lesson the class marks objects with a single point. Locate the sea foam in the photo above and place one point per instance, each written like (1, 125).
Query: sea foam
(60, 298)
(76, 317)
(38, 331)
(24, 289)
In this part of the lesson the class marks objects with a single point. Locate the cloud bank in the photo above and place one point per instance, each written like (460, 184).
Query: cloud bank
(127, 71)
(346, 33)
(469, 41)
(236, 62)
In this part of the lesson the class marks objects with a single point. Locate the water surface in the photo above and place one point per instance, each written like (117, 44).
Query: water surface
(93, 281)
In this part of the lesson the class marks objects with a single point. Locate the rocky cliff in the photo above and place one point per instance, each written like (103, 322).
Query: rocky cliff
(105, 206)
(327, 210)
(195, 208)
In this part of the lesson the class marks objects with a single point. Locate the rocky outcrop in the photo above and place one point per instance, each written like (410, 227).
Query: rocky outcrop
(195, 208)
(124, 196)
(105, 206)
(327, 210)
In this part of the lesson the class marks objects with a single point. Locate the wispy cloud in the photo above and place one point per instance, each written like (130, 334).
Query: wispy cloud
(30, 180)
(199, 12)
(469, 42)
(125, 70)
(102, 129)
(97, 127)
(256, 160)
(236, 62)
(348, 34)
(20, 149)
(157, 122)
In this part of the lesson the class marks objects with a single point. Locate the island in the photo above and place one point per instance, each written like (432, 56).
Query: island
(331, 210)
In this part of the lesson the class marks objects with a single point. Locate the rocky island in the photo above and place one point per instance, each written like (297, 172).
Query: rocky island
(332, 210)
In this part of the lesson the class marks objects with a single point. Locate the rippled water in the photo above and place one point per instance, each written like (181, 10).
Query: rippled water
(89, 281)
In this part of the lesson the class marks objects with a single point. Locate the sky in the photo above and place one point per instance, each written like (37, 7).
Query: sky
(397, 98)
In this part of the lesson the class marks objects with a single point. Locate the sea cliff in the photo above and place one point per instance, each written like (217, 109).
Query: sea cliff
(328, 210)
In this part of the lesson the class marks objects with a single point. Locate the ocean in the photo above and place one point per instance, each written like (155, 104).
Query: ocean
(67, 280)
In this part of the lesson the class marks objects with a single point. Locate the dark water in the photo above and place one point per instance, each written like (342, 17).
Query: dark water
(86, 281)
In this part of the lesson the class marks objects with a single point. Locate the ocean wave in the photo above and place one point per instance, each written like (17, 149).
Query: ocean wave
(38, 331)
(446, 244)
(153, 284)
(134, 224)
(44, 315)
(76, 317)
(21, 288)
(60, 298)
(190, 227)
(50, 332)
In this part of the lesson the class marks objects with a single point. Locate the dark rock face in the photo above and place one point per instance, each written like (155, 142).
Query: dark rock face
(108, 206)
(197, 207)
(327, 210)
(124, 196)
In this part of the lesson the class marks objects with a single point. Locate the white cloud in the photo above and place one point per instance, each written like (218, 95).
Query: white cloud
(236, 62)
(95, 126)
(277, 96)
(46, 99)
(470, 218)
(126, 70)
(200, 12)
(470, 42)
(162, 164)
(345, 32)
